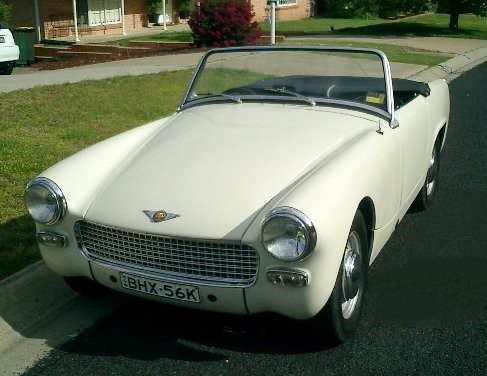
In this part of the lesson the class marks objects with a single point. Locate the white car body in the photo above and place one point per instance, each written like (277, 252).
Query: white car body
(218, 167)
(9, 51)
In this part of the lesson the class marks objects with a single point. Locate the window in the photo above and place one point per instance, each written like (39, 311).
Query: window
(99, 12)
(282, 3)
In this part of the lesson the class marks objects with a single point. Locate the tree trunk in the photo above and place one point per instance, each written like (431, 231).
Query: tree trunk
(455, 11)
(454, 16)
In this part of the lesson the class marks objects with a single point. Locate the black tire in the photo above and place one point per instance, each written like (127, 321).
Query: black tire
(340, 317)
(7, 69)
(426, 195)
(85, 286)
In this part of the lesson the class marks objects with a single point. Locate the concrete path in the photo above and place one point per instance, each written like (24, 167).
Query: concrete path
(25, 79)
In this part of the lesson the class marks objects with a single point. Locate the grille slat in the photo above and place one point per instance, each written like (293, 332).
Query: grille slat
(224, 264)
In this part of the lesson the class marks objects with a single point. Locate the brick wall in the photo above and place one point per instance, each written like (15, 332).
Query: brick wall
(57, 17)
(284, 13)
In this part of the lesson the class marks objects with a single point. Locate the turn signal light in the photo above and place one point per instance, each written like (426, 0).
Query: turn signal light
(287, 277)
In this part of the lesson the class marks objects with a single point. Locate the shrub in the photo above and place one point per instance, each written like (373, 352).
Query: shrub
(5, 11)
(224, 23)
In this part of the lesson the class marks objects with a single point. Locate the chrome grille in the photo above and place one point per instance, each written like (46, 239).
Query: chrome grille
(208, 262)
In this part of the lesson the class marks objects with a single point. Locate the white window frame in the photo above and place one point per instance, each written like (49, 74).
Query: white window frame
(286, 3)
(99, 13)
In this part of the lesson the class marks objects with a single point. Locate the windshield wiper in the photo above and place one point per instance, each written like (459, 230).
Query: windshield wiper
(231, 97)
(283, 90)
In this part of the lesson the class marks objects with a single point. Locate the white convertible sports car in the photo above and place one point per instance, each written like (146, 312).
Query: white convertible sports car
(272, 188)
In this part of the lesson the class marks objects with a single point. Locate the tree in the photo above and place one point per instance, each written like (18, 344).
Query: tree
(457, 7)
(5, 11)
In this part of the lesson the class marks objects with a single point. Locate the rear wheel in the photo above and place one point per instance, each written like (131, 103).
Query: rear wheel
(425, 197)
(341, 315)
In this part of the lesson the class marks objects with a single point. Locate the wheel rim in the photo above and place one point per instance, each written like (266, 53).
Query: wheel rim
(431, 175)
(352, 275)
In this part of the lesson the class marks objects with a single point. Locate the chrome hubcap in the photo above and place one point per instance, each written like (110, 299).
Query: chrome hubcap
(431, 175)
(352, 278)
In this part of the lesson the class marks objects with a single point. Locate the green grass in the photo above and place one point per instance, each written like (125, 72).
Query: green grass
(430, 25)
(41, 126)
(167, 36)
(396, 54)
(471, 26)
(317, 26)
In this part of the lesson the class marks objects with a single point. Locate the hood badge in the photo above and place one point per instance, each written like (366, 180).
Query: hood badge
(159, 216)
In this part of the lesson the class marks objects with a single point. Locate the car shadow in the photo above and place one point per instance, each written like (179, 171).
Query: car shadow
(18, 246)
(147, 330)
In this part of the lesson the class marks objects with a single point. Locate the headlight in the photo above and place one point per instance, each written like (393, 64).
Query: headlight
(44, 201)
(288, 234)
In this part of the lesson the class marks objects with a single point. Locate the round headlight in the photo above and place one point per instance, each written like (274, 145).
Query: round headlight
(288, 234)
(44, 201)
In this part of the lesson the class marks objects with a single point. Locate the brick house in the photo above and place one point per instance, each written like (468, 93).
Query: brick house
(57, 18)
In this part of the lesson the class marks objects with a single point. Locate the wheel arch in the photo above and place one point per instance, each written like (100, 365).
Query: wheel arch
(441, 136)
(367, 208)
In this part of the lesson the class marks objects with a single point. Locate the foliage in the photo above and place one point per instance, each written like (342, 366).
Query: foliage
(224, 23)
(154, 6)
(5, 11)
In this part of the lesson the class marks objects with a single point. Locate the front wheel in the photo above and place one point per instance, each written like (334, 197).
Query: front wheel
(341, 315)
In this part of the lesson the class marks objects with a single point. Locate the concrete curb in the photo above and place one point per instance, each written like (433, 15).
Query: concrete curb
(39, 312)
(454, 67)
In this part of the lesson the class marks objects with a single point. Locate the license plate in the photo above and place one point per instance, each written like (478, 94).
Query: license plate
(160, 288)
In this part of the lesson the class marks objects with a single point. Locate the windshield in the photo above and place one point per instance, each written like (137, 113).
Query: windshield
(311, 76)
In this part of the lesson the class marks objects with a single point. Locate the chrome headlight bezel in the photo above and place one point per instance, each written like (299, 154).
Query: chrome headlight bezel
(45, 201)
(288, 234)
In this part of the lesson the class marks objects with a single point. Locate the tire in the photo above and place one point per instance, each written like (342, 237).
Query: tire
(7, 69)
(341, 315)
(85, 286)
(426, 195)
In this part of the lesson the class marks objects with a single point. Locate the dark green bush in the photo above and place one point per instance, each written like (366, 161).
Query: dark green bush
(5, 11)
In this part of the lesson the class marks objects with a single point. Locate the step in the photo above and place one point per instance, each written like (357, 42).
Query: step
(41, 58)
(162, 46)
(41, 50)
(95, 48)
(83, 54)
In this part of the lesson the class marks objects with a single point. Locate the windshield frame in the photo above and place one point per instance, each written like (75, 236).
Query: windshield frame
(387, 113)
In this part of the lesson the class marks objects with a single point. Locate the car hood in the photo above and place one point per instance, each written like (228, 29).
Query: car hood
(216, 166)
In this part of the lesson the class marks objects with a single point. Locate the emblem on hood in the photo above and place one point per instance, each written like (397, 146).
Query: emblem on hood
(159, 216)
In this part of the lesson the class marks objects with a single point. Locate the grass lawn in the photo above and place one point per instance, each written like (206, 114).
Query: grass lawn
(396, 54)
(471, 26)
(166, 36)
(41, 126)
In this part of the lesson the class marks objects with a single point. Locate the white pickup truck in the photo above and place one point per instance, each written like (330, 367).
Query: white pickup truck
(9, 51)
